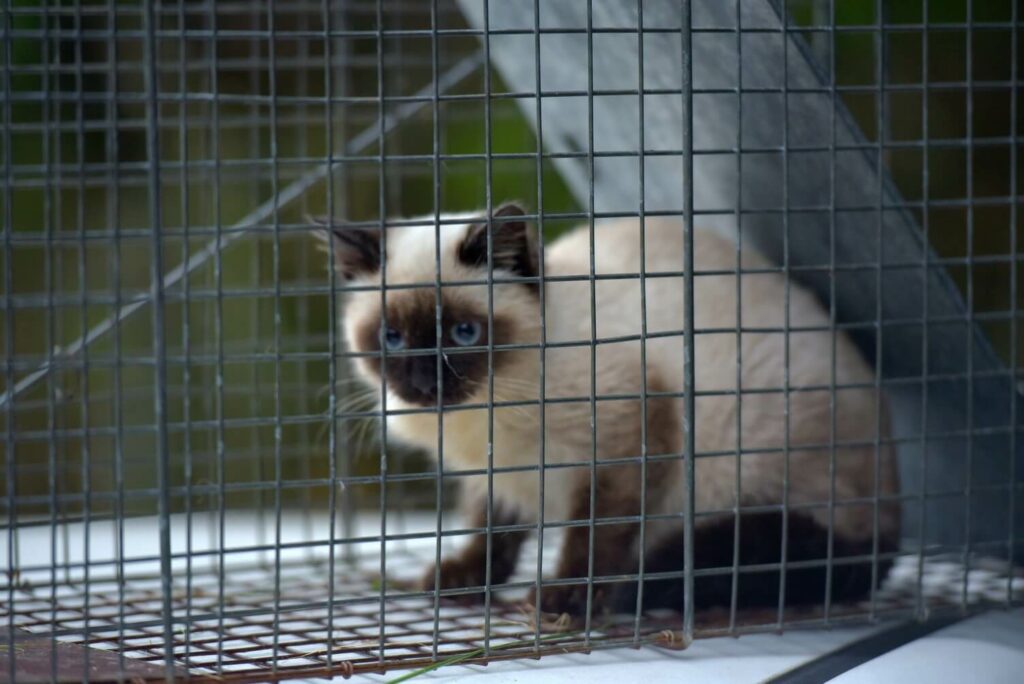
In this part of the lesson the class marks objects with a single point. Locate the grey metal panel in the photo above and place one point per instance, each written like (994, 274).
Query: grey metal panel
(769, 61)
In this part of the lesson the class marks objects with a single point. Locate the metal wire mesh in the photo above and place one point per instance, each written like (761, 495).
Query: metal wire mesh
(194, 484)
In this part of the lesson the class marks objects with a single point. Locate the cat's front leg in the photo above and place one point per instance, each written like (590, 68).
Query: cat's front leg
(468, 568)
(614, 547)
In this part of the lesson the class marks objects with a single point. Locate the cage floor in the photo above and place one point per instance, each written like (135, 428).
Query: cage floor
(272, 615)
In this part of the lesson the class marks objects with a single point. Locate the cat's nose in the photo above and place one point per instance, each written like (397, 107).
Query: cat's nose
(424, 377)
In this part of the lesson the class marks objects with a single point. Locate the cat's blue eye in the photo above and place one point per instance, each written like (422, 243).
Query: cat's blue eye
(393, 339)
(466, 334)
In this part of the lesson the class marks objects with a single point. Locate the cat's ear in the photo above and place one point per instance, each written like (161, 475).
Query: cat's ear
(356, 251)
(513, 242)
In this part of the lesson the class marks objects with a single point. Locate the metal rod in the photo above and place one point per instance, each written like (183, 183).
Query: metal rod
(969, 287)
(641, 210)
(11, 474)
(832, 314)
(83, 287)
(737, 529)
(159, 344)
(1011, 513)
(186, 328)
(922, 526)
(332, 346)
(542, 353)
(786, 360)
(52, 419)
(382, 212)
(276, 266)
(220, 439)
(489, 204)
(439, 484)
(689, 377)
(881, 77)
(592, 176)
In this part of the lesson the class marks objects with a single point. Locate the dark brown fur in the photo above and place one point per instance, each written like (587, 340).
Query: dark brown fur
(356, 250)
(617, 494)
(413, 376)
(468, 568)
(761, 543)
(512, 244)
(616, 548)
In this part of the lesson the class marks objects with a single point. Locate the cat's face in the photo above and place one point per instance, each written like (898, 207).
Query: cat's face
(399, 329)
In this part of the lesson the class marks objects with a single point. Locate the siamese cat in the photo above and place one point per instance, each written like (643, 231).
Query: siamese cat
(619, 404)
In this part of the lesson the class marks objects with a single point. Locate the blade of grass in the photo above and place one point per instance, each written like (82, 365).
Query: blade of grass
(469, 655)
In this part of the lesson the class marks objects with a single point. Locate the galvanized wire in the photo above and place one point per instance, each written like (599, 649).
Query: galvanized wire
(224, 416)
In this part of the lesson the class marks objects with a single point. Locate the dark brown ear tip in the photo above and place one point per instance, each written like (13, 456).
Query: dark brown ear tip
(355, 251)
(509, 208)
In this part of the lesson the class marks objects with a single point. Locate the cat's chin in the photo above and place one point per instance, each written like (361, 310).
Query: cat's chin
(397, 403)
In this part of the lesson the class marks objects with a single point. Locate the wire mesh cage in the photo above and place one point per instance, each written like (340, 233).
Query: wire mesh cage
(208, 473)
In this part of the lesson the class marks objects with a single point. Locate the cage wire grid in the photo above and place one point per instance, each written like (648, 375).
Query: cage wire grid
(179, 502)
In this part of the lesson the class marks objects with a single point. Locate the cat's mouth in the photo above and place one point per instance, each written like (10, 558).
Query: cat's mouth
(417, 383)
(427, 397)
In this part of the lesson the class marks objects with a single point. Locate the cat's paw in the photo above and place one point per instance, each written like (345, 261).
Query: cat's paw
(570, 599)
(456, 573)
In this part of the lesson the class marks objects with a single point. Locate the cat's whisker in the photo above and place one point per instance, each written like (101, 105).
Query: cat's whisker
(353, 402)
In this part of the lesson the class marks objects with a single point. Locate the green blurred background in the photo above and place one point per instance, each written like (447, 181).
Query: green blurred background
(247, 333)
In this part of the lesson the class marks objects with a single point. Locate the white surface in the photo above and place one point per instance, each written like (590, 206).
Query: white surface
(989, 648)
(986, 649)
(751, 658)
